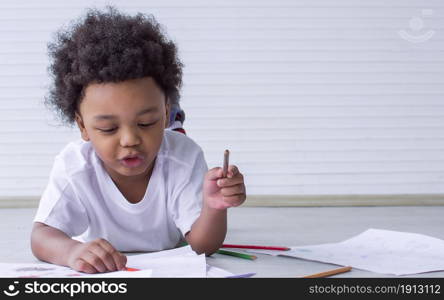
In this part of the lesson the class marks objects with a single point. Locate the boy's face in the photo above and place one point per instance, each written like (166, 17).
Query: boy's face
(125, 122)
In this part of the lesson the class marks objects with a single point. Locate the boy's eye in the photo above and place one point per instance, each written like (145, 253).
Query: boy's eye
(111, 130)
(147, 124)
(108, 130)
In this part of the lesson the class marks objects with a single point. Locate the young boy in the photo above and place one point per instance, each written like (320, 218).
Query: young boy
(129, 184)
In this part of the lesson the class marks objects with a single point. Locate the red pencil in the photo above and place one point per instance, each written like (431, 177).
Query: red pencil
(255, 247)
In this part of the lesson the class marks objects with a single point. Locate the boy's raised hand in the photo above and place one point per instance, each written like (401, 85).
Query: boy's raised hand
(221, 193)
(97, 256)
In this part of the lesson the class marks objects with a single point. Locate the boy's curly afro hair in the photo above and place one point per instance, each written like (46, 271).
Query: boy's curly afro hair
(110, 47)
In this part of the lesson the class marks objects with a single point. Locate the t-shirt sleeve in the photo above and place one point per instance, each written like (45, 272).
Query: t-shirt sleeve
(59, 206)
(187, 199)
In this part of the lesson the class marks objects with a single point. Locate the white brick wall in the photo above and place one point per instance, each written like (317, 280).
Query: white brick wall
(312, 97)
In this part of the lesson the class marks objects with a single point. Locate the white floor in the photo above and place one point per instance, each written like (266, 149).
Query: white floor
(286, 226)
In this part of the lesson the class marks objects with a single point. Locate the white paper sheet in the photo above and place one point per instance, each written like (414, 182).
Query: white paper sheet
(377, 250)
(41, 270)
(215, 272)
(179, 262)
(123, 274)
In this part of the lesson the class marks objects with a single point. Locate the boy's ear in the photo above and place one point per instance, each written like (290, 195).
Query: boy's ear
(82, 128)
(167, 111)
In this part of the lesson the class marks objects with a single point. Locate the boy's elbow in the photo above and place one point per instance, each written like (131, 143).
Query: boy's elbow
(207, 252)
(207, 249)
(38, 239)
(202, 244)
(211, 252)
(35, 241)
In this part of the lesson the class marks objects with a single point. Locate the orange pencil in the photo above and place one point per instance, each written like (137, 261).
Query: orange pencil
(131, 269)
(329, 273)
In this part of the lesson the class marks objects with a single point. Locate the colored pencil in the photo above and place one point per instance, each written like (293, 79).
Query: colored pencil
(329, 273)
(131, 269)
(225, 167)
(247, 275)
(237, 254)
(255, 247)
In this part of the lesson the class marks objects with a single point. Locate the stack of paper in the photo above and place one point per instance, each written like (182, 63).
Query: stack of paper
(179, 262)
(38, 270)
(377, 250)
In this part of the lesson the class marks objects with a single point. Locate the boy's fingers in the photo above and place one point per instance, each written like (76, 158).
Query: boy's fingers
(116, 259)
(82, 266)
(217, 172)
(122, 261)
(214, 173)
(234, 200)
(233, 190)
(94, 261)
(106, 257)
(226, 182)
(232, 171)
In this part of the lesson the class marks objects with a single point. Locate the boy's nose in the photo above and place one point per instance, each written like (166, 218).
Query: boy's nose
(129, 138)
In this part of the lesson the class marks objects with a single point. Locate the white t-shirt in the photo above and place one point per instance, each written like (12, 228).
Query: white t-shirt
(82, 200)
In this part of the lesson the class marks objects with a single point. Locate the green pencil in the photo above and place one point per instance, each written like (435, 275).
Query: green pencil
(237, 254)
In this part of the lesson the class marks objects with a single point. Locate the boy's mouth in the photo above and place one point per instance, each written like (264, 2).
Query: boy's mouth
(132, 161)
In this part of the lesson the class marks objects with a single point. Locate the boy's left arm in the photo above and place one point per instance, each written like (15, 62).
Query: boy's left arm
(208, 231)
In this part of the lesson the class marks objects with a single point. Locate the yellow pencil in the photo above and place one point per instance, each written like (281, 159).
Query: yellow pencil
(329, 273)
